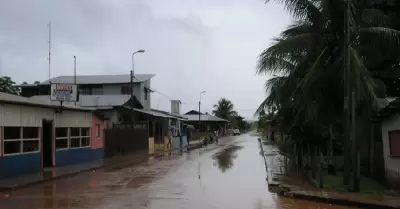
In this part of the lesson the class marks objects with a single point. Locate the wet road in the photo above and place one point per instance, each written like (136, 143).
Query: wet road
(229, 175)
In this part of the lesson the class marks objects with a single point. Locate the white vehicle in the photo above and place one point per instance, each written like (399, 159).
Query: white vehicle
(236, 132)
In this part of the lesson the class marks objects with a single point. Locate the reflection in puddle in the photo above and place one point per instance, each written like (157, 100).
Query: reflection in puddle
(225, 157)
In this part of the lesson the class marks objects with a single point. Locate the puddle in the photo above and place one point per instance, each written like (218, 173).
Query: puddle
(224, 158)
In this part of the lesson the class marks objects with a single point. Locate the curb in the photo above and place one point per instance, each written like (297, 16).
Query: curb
(327, 200)
(339, 201)
(116, 166)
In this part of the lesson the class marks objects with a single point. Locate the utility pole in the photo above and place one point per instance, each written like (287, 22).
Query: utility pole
(132, 103)
(49, 26)
(346, 100)
(75, 77)
(199, 110)
(131, 86)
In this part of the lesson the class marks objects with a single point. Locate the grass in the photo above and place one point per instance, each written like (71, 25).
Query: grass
(335, 182)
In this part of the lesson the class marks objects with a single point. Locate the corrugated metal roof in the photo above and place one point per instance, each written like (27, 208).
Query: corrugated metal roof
(177, 116)
(153, 113)
(204, 117)
(99, 79)
(10, 98)
(98, 101)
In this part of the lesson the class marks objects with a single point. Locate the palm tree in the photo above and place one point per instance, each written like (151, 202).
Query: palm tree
(309, 60)
(224, 109)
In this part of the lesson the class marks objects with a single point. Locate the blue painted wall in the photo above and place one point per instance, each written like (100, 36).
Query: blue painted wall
(76, 156)
(19, 164)
(184, 142)
(14, 165)
(176, 142)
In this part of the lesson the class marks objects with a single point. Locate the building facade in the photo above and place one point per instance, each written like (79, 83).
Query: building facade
(36, 135)
(98, 85)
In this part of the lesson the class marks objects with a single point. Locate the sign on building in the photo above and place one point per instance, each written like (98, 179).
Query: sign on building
(64, 92)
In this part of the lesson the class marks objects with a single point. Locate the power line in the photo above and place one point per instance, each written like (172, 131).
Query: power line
(195, 103)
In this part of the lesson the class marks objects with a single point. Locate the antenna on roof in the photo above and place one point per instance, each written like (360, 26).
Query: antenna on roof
(1, 67)
(49, 26)
(75, 75)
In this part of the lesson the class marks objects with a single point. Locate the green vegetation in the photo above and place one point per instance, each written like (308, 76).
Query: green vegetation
(226, 110)
(308, 63)
(6, 85)
(335, 182)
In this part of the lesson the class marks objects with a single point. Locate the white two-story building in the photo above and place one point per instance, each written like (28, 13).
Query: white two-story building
(109, 93)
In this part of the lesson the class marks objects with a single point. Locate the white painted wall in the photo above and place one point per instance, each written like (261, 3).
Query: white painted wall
(70, 118)
(392, 165)
(138, 89)
(146, 103)
(29, 116)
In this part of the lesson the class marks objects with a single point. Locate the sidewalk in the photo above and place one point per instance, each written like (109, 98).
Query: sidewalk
(296, 187)
(50, 174)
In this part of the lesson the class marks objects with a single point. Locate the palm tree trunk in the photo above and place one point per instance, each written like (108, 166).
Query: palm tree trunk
(331, 168)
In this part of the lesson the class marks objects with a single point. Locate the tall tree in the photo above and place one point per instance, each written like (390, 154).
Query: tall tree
(224, 109)
(308, 58)
(6, 85)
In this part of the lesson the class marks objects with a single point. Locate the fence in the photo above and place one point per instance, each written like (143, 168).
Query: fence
(123, 139)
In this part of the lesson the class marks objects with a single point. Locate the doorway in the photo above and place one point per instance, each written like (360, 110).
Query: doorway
(47, 143)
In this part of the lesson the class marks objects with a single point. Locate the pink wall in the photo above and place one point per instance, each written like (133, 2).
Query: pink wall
(1, 141)
(97, 142)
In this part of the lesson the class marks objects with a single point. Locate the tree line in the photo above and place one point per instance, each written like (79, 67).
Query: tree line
(225, 109)
(7, 85)
(307, 62)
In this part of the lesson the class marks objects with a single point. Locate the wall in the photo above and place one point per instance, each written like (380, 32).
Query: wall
(152, 147)
(146, 103)
(97, 142)
(29, 116)
(115, 89)
(18, 115)
(73, 119)
(20, 164)
(392, 165)
(112, 115)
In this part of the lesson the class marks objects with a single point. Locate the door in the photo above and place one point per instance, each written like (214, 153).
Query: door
(47, 143)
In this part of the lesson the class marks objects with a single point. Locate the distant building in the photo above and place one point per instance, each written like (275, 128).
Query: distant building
(205, 122)
(385, 141)
(110, 94)
(98, 85)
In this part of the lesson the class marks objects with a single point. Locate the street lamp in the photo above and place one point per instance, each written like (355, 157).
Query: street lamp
(203, 92)
(132, 75)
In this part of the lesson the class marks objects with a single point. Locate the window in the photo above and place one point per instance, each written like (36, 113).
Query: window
(85, 91)
(125, 90)
(91, 90)
(62, 138)
(145, 93)
(97, 130)
(20, 140)
(79, 137)
(394, 143)
(97, 91)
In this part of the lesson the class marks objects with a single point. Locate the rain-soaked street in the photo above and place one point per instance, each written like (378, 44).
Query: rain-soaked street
(229, 175)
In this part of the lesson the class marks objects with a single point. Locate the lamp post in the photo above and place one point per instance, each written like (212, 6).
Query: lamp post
(132, 75)
(203, 92)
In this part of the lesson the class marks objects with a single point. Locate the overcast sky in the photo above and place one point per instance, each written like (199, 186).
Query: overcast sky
(191, 45)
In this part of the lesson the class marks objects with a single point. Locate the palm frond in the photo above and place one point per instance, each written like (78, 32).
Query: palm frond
(364, 83)
(302, 9)
(284, 53)
(381, 39)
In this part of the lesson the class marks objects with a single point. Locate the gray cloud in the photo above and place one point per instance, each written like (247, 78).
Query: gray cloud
(191, 45)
